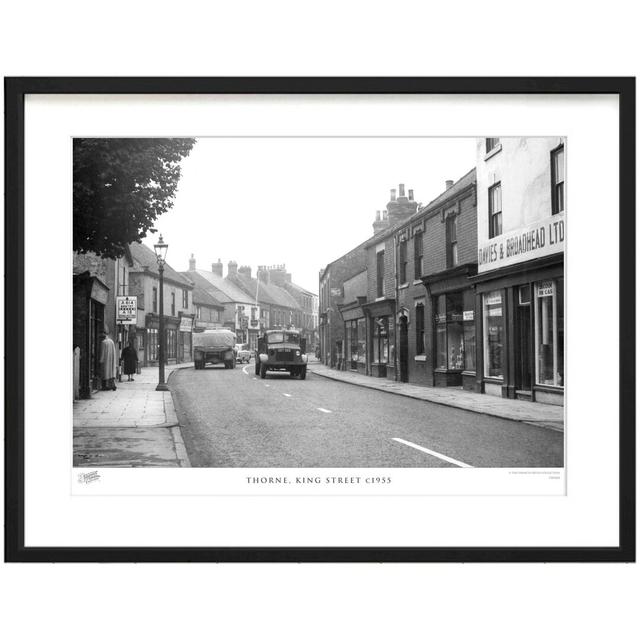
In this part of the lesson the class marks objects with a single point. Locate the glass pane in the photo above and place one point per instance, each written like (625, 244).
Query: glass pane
(454, 307)
(469, 346)
(441, 346)
(560, 330)
(455, 345)
(493, 334)
(558, 158)
(544, 332)
(560, 197)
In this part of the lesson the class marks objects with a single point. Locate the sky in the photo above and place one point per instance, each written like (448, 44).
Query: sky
(302, 202)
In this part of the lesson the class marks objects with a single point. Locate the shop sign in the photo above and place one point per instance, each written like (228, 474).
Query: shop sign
(126, 309)
(496, 311)
(456, 317)
(536, 240)
(186, 324)
(545, 289)
(441, 317)
(336, 292)
(493, 298)
(468, 315)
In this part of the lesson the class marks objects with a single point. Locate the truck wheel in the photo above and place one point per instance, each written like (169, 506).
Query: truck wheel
(263, 371)
(303, 373)
(257, 367)
(292, 373)
(233, 364)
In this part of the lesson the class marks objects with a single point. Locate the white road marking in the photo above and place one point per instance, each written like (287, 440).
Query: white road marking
(267, 385)
(287, 394)
(244, 370)
(433, 453)
(324, 410)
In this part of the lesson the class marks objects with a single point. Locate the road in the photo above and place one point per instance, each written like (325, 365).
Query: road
(232, 418)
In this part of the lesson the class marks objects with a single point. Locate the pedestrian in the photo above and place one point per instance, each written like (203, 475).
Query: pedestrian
(108, 361)
(129, 356)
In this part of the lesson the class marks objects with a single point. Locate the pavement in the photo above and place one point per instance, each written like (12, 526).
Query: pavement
(133, 426)
(536, 413)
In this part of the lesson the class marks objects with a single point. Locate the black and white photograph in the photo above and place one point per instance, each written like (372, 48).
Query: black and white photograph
(319, 302)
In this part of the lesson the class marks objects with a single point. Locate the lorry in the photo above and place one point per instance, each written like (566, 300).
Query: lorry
(215, 346)
(281, 350)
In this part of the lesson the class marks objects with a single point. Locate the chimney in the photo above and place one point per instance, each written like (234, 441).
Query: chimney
(263, 274)
(232, 268)
(449, 184)
(380, 223)
(278, 274)
(401, 208)
(216, 268)
(192, 263)
(245, 271)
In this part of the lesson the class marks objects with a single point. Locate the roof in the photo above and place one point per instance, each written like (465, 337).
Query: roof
(146, 257)
(463, 183)
(300, 289)
(221, 288)
(203, 297)
(267, 293)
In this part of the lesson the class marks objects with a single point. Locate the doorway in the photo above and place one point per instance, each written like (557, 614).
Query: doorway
(523, 339)
(404, 350)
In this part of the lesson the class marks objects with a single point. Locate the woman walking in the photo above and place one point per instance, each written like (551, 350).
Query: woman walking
(130, 358)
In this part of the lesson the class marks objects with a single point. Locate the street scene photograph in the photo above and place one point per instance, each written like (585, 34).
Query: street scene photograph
(319, 302)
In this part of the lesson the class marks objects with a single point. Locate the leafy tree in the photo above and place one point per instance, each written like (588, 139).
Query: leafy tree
(120, 187)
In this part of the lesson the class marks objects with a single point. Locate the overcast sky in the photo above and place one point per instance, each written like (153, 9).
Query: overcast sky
(299, 201)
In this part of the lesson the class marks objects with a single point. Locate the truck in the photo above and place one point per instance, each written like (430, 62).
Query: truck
(214, 346)
(281, 350)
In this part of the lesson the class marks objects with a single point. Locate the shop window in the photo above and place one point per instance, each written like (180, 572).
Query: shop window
(549, 332)
(495, 210)
(362, 341)
(493, 326)
(171, 343)
(469, 327)
(417, 255)
(420, 329)
(354, 350)
(403, 261)
(380, 274)
(491, 144)
(450, 345)
(452, 241)
(557, 180)
(381, 340)
(152, 341)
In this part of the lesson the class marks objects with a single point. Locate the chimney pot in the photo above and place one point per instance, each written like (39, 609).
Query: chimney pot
(401, 191)
(449, 184)
(411, 194)
(393, 194)
(216, 267)
(192, 263)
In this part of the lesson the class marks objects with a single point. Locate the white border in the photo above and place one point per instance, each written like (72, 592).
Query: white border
(587, 516)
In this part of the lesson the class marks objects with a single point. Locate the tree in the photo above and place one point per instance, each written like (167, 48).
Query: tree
(120, 187)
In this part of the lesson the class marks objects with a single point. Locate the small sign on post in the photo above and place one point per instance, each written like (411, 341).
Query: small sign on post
(126, 309)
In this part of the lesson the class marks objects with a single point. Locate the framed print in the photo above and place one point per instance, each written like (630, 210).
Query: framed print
(320, 319)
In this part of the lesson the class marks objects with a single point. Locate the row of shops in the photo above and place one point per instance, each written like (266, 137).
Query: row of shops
(439, 298)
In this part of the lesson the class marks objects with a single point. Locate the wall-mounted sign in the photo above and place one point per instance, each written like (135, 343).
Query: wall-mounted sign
(336, 292)
(186, 324)
(493, 298)
(545, 289)
(126, 309)
(537, 240)
(467, 315)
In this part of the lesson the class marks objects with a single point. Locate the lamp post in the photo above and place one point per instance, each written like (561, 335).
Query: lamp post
(161, 253)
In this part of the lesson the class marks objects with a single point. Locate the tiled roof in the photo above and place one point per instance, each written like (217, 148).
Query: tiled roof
(203, 297)
(232, 292)
(146, 257)
(267, 293)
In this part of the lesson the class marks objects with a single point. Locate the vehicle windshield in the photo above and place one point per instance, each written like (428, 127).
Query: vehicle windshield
(283, 336)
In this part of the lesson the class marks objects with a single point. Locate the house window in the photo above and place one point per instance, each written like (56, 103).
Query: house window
(417, 255)
(420, 329)
(173, 303)
(495, 210)
(452, 241)
(491, 143)
(557, 180)
(549, 332)
(154, 298)
(185, 298)
(493, 328)
(152, 342)
(380, 274)
(403, 262)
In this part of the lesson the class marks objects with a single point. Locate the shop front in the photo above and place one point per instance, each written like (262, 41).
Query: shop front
(453, 339)
(184, 338)
(171, 329)
(355, 332)
(522, 331)
(381, 316)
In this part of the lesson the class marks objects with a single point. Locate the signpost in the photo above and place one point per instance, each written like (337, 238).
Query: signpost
(126, 309)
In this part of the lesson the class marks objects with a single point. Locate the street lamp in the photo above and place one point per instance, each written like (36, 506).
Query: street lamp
(161, 253)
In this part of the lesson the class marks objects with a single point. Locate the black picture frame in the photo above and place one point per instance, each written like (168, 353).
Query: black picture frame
(15, 91)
